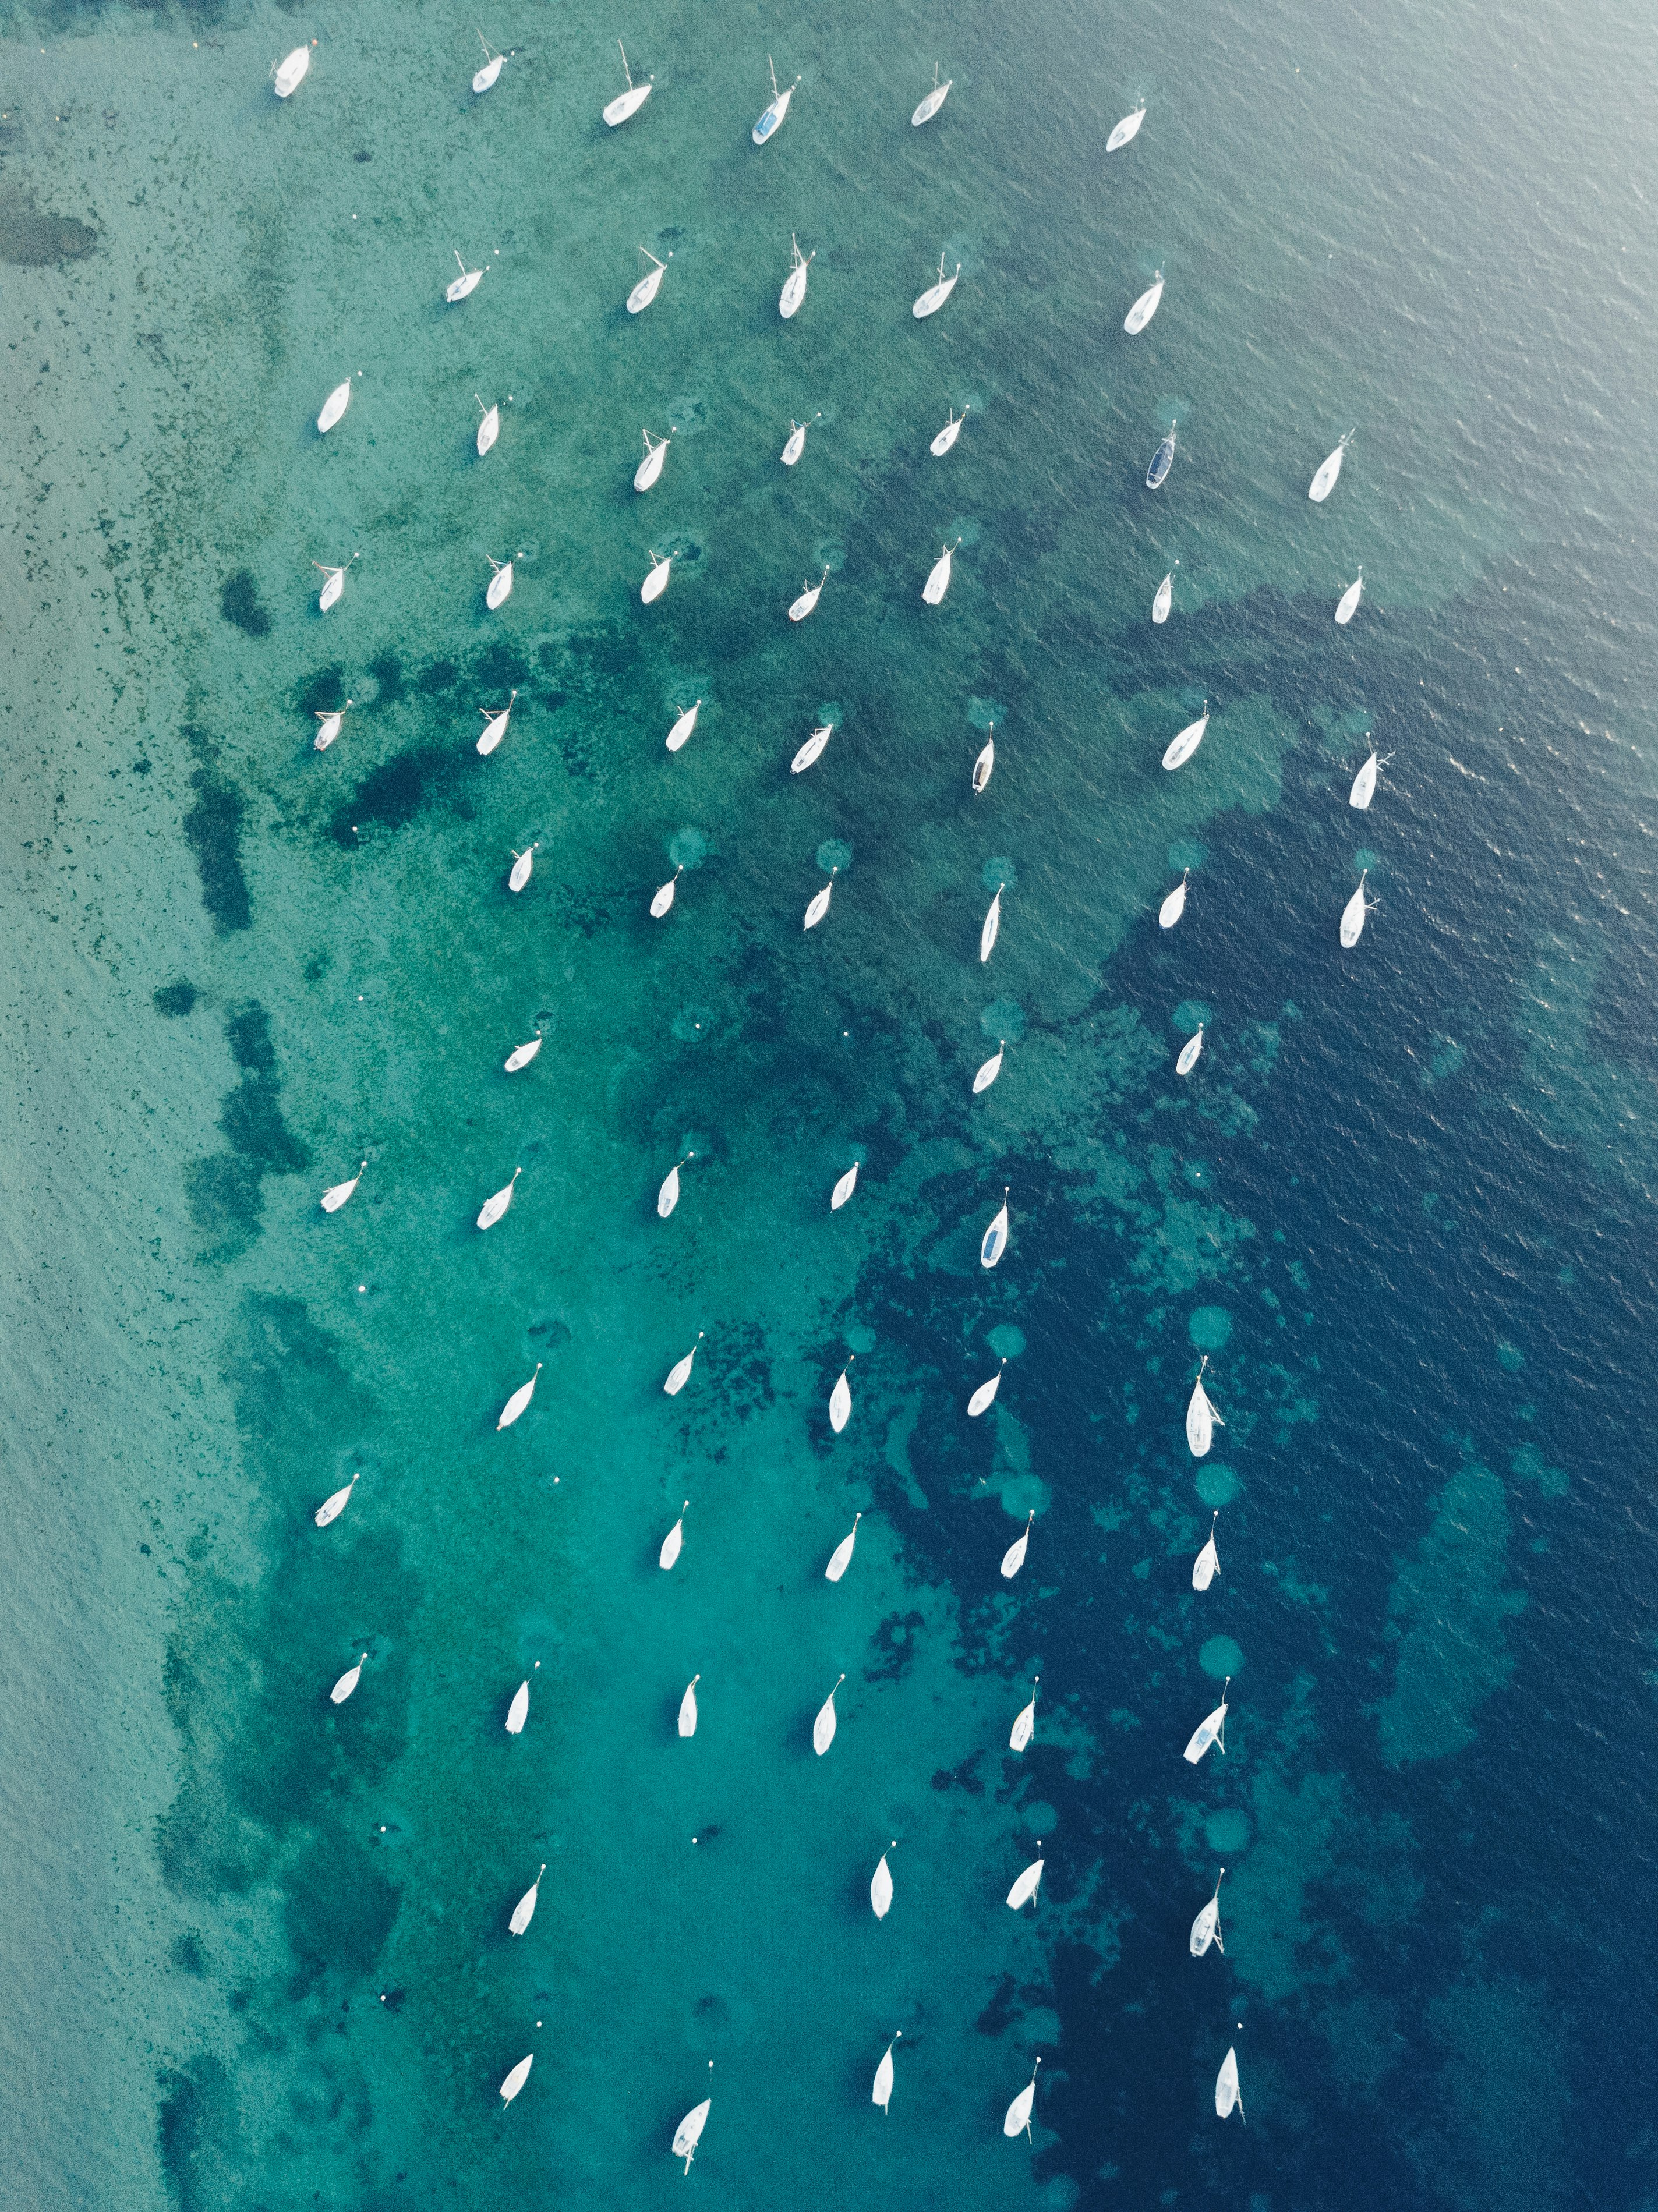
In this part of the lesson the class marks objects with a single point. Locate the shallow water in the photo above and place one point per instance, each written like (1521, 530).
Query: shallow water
(259, 1942)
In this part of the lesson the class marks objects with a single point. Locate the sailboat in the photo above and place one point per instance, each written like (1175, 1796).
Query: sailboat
(935, 100)
(1027, 1884)
(795, 446)
(881, 1885)
(674, 1541)
(668, 1197)
(328, 722)
(947, 436)
(516, 2079)
(1014, 1558)
(1174, 905)
(938, 577)
(819, 905)
(683, 727)
(1323, 480)
(1024, 1722)
(1165, 598)
(811, 750)
(1364, 784)
(935, 294)
(680, 1374)
(499, 589)
(656, 582)
(519, 1399)
(809, 598)
(519, 1710)
(688, 1707)
(1145, 307)
(1226, 2092)
(1352, 917)
(985, 1397)
(1211, 1730)
(631, 102)
(689, 2133)
(1207, 1565)
(993, 1067)
(333, 583)
(491, 70)
(334, 406)
(664, 897)
(881, 2092)
(994, 1242)
(335, 1505)
(841, 1402)
(1161, 461)
(990, 928)
(1201, 1419)
(493, 1207)
(984, 766)
(347, 1683)
(649, 285)
(1018, 2121)
(1206, 1927)
(771, 119)
(1347, 604)
(463, 286)
(823, 1727)
(794, 284)
(1129, 128)
(521, 1055)
(1190, 1052)
(841, 1558)
(524, 1911)
(488, 424)
(286, 74)
(495, 727)
(335, 1197)
(844, 1189)
(651, 467)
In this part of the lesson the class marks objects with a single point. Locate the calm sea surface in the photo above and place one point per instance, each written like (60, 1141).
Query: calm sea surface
(255, 1948)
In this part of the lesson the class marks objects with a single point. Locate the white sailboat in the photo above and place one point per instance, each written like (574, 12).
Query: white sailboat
(811, 750)
(794, 284)
(840, 1403)
(935, 294)
(347, 1683)
(1206, 1927)
(1145, 307)
(771, 118)
(649, 285)
(689, 2133)
(286, 74)
(522, 863)
(495, 725)
(1226, 2092)
(519, 1710)
(499, 588)
(688, 1707)
(1347, 604)
(819, 905)
(1181, 747)
(1174, 905)
(1164, 598)
(494, 1207)
(985, 1397)
(1163, 459)
(656, 582)
(841, 1558)
(947, 436)
(823, 1727)
(984, 766)
(489, 424)
(1014, 1558)
(1211, 1730)
(673, 1542)
(794, 443)
(1191, 1051)
(683, 727)
(1364, 784)
(1352, 916)
(1018, 2120)
(680, 1374)
(993, 1067)
(519, 1399)
(1201, 1419)
(524, 1911)
(335, 1505)
(521, 1055)
(334, 406)
(1024, 1722)
(336, 1196)
(1207, 1565)
(881, 2092)
(333, 583)
(463, 286)
(516, 2079)
(844, 1189)
(651, 467)
(668, 1197)
(1128, 129)
(881, 1885)
(809, 598)
(1026, 1886)
(990, 928)
(328, 722)
(994, 1242)
(938, 577)
(935, 100)
(1323, 479)
(631, 102)
(664, 897)
(485, 77)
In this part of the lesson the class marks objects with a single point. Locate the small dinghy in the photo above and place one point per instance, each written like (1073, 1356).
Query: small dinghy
(1201, 1419)
(1145, 307)
(794, 284)
(990, 928)
(809, 598)
(1161, 461)
(688, 1707)
(524, 1911)
(1018, 2121)
(1165, 598)
(1364, 784)
(771, 120)
(823, 1727)
(984, 766)
(328, 722)
(516, 2081)
(499, 590)
(463, 286)
(335, 405)
(994, 1242)
(844, 1189)
(347, 1683)
(840, 1403)
(880, 1886)
(651, 467)
(1014, 1558)
(519, 1399)
(1174, 905)
(819, 905)
(841, 1558)
(985, 1397)
(1026, 1886)
(288, 73)
(673, 1542)
(680, 1374)
(649, 285)
(1347, 604)
(811, 750)
(664, 898)
(988, 1074)
(488, 424)
(656, 582)
(631, 102)
(519, 1710)
(689, 2133)
(668, 1197)
(938, 577)
(933, 102)
(333, 1505)
(495, 727)
(492, 1208)
(1206, 1927)
(1352, 917)
(1211, 1730)
(521, 1055)
(1226, 2092)
(1324, 481)
(1024, 1722)
(333, 583)
(334, 1198)
(1190, 1052)
(1128, 129)
(935, 294)
(881, 2092)
(1207, 1565)
(491, 70)
(947, 436)
(684, 726)
(795, 446)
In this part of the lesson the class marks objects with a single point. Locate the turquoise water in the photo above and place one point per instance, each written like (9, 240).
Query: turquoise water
(257, 1953)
